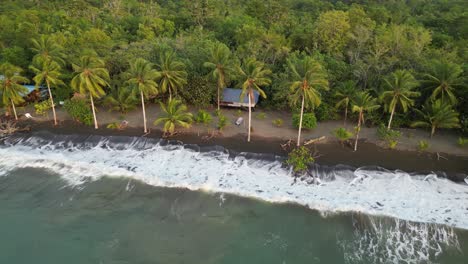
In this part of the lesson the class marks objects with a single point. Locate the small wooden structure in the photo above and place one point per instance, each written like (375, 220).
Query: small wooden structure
(231, 97)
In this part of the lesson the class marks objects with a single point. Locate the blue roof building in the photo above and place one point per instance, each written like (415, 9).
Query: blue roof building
(231, 97)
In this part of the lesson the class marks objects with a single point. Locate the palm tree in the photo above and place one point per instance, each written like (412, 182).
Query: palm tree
(174, 114)
(90, 79)
(437, 114)
(47, 49)
(345, 92)
(47, 71)
(254, 75)
(308, 78)
(220, 65)
(172, 74)
(142, 77)
(443, 80)
(400, 87)
(11, 89)
(121, 99)
(363, 102)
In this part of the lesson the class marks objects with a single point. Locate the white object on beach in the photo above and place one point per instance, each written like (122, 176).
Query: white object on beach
(28, 115)
(466, 180)
(239, 121)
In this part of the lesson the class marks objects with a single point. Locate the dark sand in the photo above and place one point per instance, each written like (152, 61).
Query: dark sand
(329, 153)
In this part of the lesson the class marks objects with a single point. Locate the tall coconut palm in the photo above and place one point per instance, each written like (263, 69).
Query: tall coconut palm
(399, 91)
(47, 49)
(307, 79)
(142, 76)
(91, 77)
(172, 74)
(254, 76)
(437, 114)
(220, 64)
(11, 89)
(47, 71)
(363, 102)
(344, 93)
(174, 114)
(443, 80)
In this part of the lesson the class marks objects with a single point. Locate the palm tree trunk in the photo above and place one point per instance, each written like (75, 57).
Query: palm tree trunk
(94, 112)
(144, 112)
(250, 117)
(300, 123)
(52, 103)
(218, 96)
(14, 109)
(358, 130)
(391, 117)
(345, 115)
(433, 131)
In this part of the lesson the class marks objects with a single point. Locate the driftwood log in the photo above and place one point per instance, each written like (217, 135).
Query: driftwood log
(315, 140)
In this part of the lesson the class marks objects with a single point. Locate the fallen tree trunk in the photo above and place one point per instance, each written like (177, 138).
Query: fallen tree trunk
(315, 140)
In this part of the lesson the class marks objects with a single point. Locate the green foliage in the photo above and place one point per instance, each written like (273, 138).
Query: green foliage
(308, 121)
(121, 99)
(43, 108)
(299, 159)
(261, 115)
(462, 142)
(435, 115)
(198, 91)
(114, 125)
(203, 117)
(239, 113)
(423, 145)
(222, 121)
(342, 134)
(174, 114)
(278, 122)
(79, 110)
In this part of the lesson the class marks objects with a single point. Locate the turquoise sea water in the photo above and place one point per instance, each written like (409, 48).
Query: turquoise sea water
(44, 219)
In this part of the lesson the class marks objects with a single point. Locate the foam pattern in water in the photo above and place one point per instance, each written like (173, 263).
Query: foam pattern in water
(421, 198)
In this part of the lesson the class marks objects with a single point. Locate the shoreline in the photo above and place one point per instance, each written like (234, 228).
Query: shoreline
(329, 153)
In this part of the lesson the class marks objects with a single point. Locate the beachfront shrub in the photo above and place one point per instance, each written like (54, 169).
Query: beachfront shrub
(114, 125)
(423, 145)
(198, 91)
(43, 108)
(239, 113)
(308, 121)
(325, 112)
(174, 114)
(222, 121)
(462, 142)
(261, 115)
(342, 134)
(79, 110)
(388, 135)
(203, 117)
(299, 159)
(278, 122)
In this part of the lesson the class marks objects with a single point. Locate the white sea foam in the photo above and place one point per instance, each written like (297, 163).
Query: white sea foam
(423, 198)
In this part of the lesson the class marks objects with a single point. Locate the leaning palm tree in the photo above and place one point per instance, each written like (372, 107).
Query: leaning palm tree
(443, 80)
(344, 93)
(10, 86)
(255, 75)
(172, 74)
(362, 102)
(121, 99)
(47, 49)
(220, 64)
(91, 77)
(142, 76)
(47, 71)
(399, 91)
(174, 114)
(307, 79)
(437, 114)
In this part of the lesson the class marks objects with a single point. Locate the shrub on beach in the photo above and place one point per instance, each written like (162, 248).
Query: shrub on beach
(299, 159)
(79, 110)
(462, 142)
(342, 134)
(222, 121)
(423, 145)
(278, 122)
(389, 135)
(203, 117)
(308, 120)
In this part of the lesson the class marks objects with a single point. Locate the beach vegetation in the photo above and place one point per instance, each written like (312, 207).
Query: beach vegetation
(261, 115)
(462, 142)
(11, 88)
(254, 76)
(222, 121)
(172, 74)
(363, 103)
(436, 114)
(42, 108)
(79, 110)
(342, 134)
(309, 121)
(308, 79)
(203, 117)
(443, 79)
(121, 99)
(423, 145)
(299, 159)
(174, 114)
(278, 122)
(91, 78)
(344, 93)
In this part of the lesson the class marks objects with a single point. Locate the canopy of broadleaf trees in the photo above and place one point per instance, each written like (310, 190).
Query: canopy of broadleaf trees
(361, 43)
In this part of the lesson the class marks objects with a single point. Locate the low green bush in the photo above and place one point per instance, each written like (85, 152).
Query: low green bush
(278, 122)
(79, 110)
(203, 117)
(462, 142)
(299, 159)
(342, 134)
(222, 121)
(423, 145)
(261, 115)
(43, 108)
(308, 121)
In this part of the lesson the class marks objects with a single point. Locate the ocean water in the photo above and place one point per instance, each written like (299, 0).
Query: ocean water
(76, 199)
